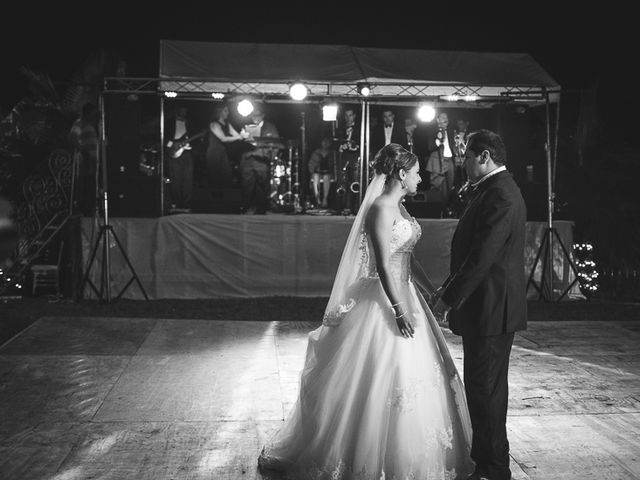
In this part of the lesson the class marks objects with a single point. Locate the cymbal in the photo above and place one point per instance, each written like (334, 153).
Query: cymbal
(344, 140)
(261, 141)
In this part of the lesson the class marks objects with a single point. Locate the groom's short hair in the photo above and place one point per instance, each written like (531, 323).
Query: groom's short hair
(484, 139)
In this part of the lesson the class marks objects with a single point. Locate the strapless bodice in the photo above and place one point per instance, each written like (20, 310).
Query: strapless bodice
(405, 234)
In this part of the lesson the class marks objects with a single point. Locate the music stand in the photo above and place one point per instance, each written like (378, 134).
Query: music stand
(104, 233)
(545, 291)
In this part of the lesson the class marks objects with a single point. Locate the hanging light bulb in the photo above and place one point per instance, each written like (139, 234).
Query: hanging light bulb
(426, 113)
(364, 89)
(298, 91)
(245, 107)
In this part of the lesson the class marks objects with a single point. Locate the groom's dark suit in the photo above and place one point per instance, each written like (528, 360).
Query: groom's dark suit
(486, 290)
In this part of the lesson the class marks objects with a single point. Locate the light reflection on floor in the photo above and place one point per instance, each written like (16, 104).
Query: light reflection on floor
(170, 399)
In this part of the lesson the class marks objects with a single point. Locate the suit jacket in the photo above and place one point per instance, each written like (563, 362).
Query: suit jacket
(169, 134)
(486, 286)
(170, 128)
(431, 140)
(354, 146)
(398, 135)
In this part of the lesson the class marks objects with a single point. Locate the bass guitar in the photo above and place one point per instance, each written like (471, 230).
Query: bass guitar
(183, 143)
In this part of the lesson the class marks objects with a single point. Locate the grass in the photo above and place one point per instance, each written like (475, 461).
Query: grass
(16, 315)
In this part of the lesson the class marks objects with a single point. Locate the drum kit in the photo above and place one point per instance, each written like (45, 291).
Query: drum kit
(284, 162)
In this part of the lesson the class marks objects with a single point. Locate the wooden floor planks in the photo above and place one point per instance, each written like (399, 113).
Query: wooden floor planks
(108, 398)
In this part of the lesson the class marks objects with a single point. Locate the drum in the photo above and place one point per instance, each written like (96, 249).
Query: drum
(280, 181)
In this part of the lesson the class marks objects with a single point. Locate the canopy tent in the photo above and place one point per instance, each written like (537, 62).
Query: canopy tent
(336, 70)
(266, 71)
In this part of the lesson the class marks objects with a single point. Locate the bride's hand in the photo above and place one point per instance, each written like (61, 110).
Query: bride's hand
(406, 329)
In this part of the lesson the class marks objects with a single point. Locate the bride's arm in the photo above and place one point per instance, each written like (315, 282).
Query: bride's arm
(379, 223)
(420, 278)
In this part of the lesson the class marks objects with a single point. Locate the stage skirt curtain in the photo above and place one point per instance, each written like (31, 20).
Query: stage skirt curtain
(192, 256)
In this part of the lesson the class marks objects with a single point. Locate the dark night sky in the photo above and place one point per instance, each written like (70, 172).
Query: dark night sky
(580, 49)
(575, 48)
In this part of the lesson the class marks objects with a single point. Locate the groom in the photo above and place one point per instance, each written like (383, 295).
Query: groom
(484, 296)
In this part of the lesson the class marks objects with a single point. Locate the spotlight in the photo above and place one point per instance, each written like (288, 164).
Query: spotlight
(426, 113)
(170, 94)
(217, 95)
(330, 112)
(245, 107)
(298, 91)
(364, 89)
(471, 98)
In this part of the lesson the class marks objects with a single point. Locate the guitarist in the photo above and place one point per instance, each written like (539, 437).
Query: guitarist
(180, 159)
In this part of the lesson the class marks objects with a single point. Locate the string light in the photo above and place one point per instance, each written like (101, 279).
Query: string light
(587, 273)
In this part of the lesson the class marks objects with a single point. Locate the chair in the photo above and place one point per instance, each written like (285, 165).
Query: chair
(47, 273)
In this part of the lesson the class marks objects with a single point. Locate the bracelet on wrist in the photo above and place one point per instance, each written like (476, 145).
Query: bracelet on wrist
(400, 316)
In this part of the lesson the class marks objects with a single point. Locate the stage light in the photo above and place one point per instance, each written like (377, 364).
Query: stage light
(245, 107)
(364, 89)
(426, 113)
(170, 94)
(471, 98)
(451, 98)
(330, 112)
(298, 91)
(217, 95)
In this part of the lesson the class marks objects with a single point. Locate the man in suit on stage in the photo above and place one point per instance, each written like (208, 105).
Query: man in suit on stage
(485, 296)
(180, 159)
(348, 165)
(389, 131)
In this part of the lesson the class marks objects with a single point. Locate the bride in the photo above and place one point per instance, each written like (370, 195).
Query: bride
(380, 397)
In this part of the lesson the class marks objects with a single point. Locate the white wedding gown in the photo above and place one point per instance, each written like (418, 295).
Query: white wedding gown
(372, 404)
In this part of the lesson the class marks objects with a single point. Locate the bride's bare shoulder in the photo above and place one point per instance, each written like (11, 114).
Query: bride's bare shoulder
(380, 210)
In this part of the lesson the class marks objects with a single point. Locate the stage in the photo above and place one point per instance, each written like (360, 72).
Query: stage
(188, 256)
(160, 399)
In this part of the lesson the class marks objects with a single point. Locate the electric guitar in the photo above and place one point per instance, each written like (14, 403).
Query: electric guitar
(183, 143)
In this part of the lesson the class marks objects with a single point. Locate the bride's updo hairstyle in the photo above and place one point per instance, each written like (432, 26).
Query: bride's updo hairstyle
(392, 158)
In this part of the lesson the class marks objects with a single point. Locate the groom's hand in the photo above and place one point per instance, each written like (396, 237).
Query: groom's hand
(440, 310)
(435, 296)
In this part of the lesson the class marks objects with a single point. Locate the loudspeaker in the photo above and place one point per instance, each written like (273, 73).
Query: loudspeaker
(420, 206)
(216, 200)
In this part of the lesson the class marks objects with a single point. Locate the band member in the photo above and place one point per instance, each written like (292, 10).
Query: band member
(440, 164)
(321, 167)
(224, 148)
(410, 126)
(460, 135)
(180, 158)
(255, 165)
(387, 132)
(348, 166)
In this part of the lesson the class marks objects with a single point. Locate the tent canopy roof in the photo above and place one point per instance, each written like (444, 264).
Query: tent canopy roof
(188, 66)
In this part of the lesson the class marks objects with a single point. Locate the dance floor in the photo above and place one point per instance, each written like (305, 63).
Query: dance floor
(125, 398)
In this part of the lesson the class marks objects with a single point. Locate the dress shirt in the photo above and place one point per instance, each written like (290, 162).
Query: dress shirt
(388, 129)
